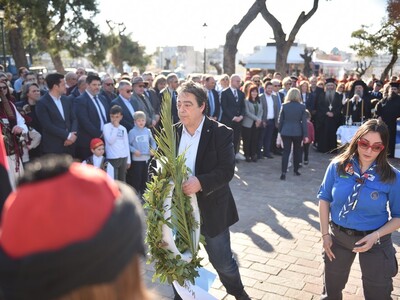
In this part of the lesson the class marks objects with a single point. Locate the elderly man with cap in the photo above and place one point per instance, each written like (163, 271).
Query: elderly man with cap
(388, 110)
(358, 105)
(328, 117)
(67, 248)
(138, 94)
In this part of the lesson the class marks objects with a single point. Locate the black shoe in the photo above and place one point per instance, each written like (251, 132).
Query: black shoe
(306, 162)
(268, 156)
(254, 159)
(297, 173)
(283, 177)
(248, 159)
(243, 296)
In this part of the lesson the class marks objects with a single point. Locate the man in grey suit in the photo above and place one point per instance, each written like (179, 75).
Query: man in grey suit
(270, 105)
(128, 105)
(138, 95)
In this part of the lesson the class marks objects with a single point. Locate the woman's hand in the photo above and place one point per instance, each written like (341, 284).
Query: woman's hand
(366, 243)
(327, 244)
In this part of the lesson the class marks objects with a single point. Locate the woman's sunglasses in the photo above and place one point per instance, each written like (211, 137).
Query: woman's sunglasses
(363, 144)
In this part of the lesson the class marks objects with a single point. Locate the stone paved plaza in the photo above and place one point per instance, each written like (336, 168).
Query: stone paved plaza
(277, 239)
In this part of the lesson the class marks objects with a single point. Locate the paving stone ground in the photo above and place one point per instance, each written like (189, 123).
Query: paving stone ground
(277, 240)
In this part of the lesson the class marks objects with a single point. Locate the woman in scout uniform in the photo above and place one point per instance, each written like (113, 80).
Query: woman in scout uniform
(359, 190)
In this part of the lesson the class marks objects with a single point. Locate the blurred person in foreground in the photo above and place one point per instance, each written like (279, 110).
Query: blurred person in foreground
(79, 249)
(359, 191)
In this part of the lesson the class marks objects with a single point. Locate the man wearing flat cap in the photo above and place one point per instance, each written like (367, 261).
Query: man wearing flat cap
(138, 94)
(388, 110)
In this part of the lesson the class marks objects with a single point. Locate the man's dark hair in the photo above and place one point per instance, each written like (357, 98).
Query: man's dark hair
(195, 89)
(268, 83)
(53, 79)
(47, 166)
(21, 70)
(115, 109)
(91, 78)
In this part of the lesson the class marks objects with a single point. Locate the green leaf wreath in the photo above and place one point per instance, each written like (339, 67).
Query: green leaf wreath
(168, 266)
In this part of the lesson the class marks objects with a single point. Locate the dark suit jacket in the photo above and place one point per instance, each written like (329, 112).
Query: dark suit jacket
(108, 96)
(55, 129)
(216, 104)
(293, 119)
(127, 119)
(88, 118)
(309, 102)
(231, 108)
(155, 101)
(214, 167)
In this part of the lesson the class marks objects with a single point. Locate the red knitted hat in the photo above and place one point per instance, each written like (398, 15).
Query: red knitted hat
(96, 142)
(48, 215)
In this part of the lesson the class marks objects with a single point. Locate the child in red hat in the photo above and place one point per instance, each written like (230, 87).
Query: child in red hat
(97, 159)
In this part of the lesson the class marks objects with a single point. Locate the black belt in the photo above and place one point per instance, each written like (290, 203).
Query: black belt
(351, 232)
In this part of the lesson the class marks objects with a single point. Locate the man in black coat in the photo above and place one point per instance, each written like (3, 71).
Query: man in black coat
(57, 118)
(233, 108)
(92, 111)
(212, 165)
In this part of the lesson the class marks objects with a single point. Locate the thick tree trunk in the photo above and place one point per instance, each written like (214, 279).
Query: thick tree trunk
(17, 47)
(393, 60)
(282, 45)
(57, 62)
(233, 36)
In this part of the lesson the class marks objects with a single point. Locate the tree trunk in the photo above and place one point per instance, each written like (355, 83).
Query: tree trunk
(57, 62)
(17, 47)
(282, 45)
(233, 36)
(217, 67)
(391, 63)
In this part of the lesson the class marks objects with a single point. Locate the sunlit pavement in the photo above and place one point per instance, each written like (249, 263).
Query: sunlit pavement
(277, 240)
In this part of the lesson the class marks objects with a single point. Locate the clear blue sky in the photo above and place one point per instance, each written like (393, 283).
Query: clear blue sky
(179, 22)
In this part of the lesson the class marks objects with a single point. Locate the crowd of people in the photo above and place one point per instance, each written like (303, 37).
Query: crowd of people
(75, 108)
(111, 124)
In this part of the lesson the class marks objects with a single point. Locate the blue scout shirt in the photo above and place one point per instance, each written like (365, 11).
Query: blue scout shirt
(371, 211)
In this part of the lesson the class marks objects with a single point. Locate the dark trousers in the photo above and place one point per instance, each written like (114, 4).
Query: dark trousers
(220, 255)
(306, 151)
(237, 128)
(250, 140)
(119, 165)
(138, 173)
(287, 146)
(378, 266)
(265, 139)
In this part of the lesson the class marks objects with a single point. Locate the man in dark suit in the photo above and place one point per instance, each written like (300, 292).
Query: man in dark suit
(213, 105)
(79, 89)
(57, 118)
(91, 109)
(108, 90)
(170, 91)
(233, 108)
(270, 105)
(154, 98)
(212, 161)
(128, 105)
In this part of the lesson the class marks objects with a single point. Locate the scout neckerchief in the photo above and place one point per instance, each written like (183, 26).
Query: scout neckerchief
(352, 169)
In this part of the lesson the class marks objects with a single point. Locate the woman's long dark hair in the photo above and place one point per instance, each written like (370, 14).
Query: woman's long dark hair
(383, 168)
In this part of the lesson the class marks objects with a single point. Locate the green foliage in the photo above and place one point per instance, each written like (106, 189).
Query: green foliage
(386, 39)
(124, 49)
(169, 267)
